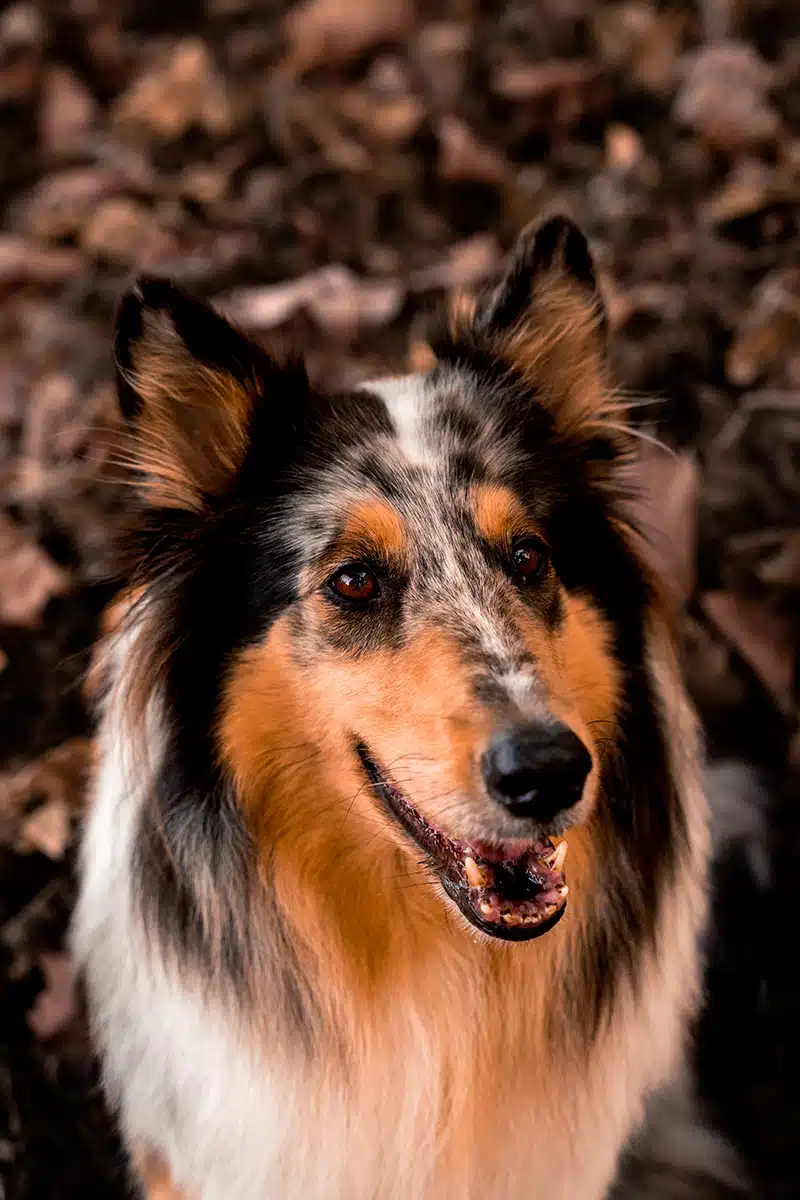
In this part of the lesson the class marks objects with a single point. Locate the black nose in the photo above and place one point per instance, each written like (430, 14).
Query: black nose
(536, 770)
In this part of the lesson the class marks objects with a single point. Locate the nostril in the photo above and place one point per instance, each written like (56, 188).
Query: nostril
(536, 770)
(518, 783)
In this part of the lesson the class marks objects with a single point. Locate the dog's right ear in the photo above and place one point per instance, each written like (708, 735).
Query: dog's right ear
(188, 384)
(551, 277)
(546, 321)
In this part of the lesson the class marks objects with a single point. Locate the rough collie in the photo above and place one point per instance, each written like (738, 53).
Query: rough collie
(396, 862)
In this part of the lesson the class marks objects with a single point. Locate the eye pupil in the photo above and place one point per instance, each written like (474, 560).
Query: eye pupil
(355, 583)
(529, 560)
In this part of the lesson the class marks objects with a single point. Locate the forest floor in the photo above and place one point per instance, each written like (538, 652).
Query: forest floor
(328, 173)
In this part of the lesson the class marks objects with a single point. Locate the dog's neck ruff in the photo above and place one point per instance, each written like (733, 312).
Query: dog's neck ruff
(452, 1037)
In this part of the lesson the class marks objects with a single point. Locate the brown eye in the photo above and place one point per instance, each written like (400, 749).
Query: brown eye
(354, 582)
(529, 559)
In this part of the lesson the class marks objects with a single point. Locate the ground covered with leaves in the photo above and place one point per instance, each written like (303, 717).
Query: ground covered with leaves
(328, 173)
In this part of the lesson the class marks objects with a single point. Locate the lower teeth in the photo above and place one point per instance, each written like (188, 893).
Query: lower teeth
(511, 918)
(480, 877)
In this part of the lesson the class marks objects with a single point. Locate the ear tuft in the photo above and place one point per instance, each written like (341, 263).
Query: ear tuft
(187, 383)
(547, 256)
(559, 242)
(546, 322)
(127, 333)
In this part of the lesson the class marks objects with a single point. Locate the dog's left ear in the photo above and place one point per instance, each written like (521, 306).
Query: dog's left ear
(546, 320)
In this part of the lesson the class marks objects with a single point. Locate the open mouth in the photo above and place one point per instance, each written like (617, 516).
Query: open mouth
(515, 890)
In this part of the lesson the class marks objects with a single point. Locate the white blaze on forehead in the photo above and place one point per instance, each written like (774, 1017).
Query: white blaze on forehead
(409, 403)
(406, 401)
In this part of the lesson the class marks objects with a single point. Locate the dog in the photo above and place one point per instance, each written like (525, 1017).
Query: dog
(395, 868)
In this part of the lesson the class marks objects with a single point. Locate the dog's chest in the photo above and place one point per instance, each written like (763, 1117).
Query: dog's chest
(233, 1124)
(434, 1106)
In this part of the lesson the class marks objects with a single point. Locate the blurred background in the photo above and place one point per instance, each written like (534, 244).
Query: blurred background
(328, 172)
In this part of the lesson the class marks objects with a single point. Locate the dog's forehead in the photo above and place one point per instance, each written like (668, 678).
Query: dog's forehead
(426, 444)
(411, 403)
(434, 417)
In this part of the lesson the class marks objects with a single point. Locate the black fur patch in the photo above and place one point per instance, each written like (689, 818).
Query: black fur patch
(208, 337)
(557, 246)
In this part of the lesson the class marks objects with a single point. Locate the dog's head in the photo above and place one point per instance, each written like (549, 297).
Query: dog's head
(404, 625)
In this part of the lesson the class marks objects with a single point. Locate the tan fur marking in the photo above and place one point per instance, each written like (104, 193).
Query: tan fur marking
(156, 1179)
(499, 514)
(461, 310)
(192, 432)
(561, 353)
(285, 734)
(590, 672)
(558, 347)
(420, 358)
(367, 918)
(374, 523)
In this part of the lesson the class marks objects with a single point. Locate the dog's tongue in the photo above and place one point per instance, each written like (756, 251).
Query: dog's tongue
(521, 884)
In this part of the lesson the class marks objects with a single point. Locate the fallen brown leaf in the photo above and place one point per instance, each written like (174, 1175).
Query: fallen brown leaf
(724, 96)
(669, 486)
(643, 42)
(185, 90)
(783, 567)
(342, 303)
(624, 147)
(22, 36)
(22, 262)
(339, 301)
(67, 109)
(763, 639)
(333, 32)
(29, 578)
(420, 357)
(751, 187)
(534, 81)
(55, 777)
(393, 121)
(126, 232)
(57, 1004)
(465, 265)
(462, 155)
(706, 661)
(768, 328)
(60, 204)
(47, 829)
(442, 52)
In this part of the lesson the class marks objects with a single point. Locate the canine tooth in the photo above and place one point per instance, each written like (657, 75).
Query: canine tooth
(550, 909)
(563, 891)
(485, 908)
(477, 876)
(557, 861)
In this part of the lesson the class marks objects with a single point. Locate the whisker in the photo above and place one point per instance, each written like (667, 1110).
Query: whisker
(640, 435)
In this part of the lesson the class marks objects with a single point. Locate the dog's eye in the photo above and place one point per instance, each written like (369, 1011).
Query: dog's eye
(529, 560)
(354, 581)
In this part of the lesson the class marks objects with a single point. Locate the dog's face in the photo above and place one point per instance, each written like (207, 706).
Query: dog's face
(405, 619)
